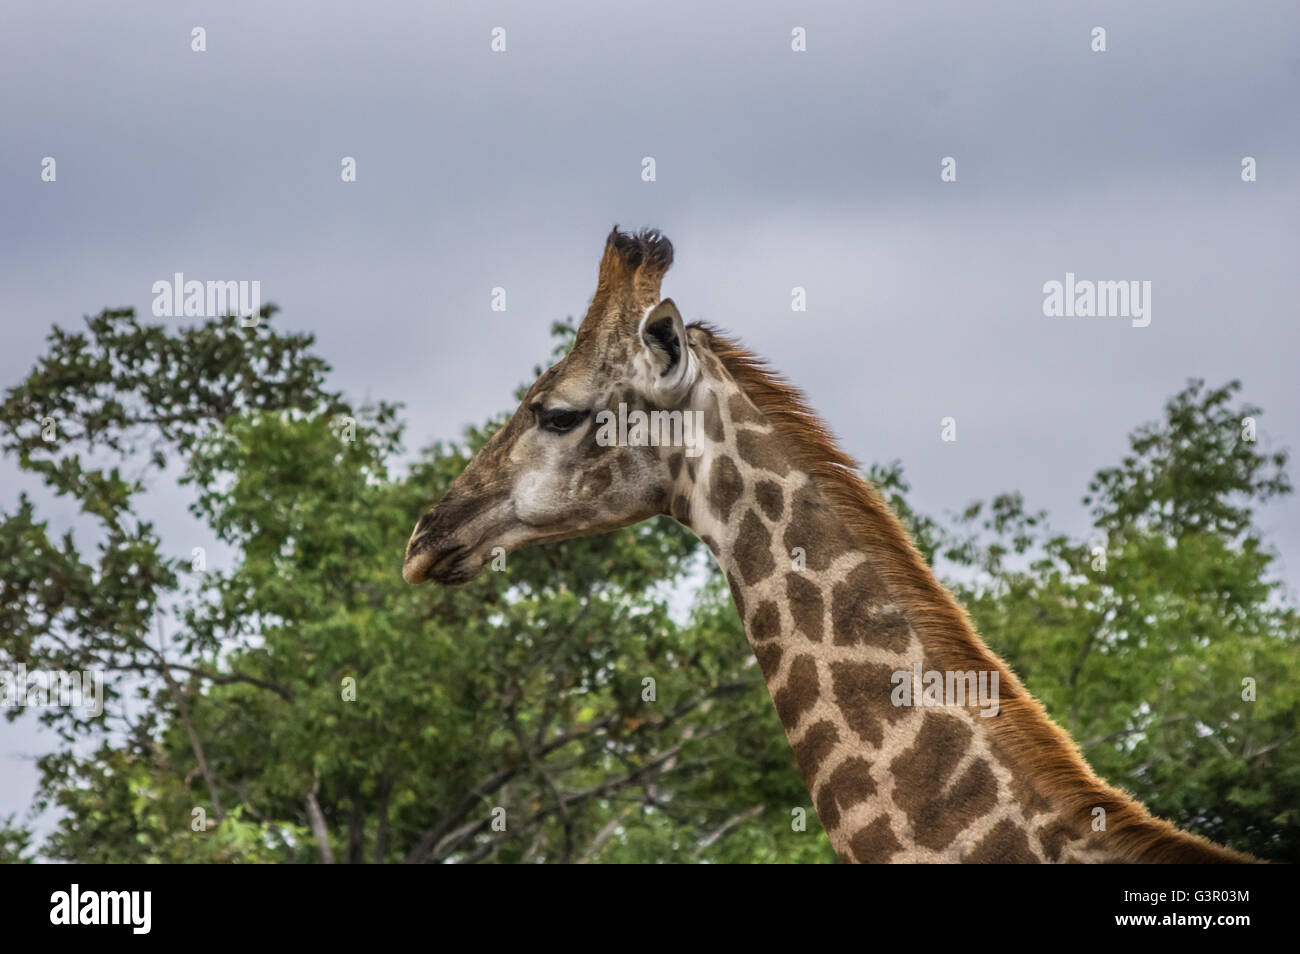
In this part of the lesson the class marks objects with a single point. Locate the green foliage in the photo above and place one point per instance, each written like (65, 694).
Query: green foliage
(299, 702)
(15, 842)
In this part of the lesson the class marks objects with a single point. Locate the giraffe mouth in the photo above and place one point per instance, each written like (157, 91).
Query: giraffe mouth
(455, 573)
(450, 567)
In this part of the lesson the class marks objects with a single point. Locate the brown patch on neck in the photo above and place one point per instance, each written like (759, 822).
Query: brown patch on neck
(1035, 746)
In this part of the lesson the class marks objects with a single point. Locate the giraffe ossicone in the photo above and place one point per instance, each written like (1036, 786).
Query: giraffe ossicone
(840, 609)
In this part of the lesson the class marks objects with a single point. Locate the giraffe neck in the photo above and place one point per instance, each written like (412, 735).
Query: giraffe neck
(892, 778)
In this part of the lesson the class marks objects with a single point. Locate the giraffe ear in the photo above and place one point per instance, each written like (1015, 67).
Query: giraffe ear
(673, 367)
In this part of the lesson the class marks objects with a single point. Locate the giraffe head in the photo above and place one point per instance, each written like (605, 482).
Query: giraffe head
(551, 473)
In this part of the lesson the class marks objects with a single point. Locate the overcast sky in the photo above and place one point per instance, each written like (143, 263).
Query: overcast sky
(774, 169)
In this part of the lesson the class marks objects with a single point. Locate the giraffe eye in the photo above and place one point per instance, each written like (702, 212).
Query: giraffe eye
(560, 420)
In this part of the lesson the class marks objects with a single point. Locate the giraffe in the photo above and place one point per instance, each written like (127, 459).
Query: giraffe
(841, 611)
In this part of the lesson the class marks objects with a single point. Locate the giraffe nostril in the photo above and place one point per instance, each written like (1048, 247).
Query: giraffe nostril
(424, 525)
(429, 533)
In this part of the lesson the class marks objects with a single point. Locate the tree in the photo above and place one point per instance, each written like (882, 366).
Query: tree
(15, 842)
(291, 699)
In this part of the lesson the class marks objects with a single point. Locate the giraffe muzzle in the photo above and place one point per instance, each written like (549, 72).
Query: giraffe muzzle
(447, 545)
(449, 566)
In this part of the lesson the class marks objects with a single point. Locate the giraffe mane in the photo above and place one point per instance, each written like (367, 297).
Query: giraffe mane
(1022, 727)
